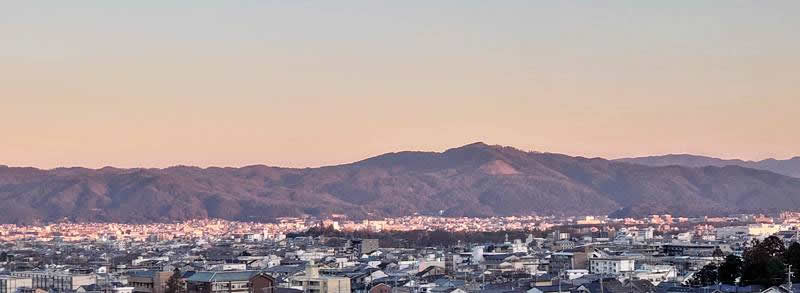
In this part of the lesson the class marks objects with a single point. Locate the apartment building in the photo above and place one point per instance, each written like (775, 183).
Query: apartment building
(10, 284)
(230, 282)
(148, 281)
(58, 281)
(312, 282)
(612, 266)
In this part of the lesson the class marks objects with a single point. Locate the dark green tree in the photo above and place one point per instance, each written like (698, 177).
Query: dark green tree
(792, 257)
(174, 282)
(3, 256)
(718, 253)
(707, 276)
(763, 263)
(773, 246)
(730, 269)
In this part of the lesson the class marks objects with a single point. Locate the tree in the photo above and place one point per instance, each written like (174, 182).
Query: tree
(3, 256)
(174, 282)
(730, 270)
(707, 276)
(718, 253)
(763, 262)
(773, 246)
(792, 257)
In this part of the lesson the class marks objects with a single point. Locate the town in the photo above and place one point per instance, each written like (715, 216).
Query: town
(533, 254)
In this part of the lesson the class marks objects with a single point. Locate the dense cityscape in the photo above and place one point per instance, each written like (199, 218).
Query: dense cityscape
(535, 254)
(408, 146)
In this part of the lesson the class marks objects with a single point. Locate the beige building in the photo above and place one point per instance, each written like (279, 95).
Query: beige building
(10, 284)
(312, 282)
(57, 280)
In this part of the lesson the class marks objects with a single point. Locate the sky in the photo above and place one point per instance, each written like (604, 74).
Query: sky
(311, 83)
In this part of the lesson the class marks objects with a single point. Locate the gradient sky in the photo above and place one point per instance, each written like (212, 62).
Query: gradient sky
(309, 83)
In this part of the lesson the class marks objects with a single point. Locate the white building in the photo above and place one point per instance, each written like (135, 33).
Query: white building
(656, 273)
(574, 274)
(612, 266)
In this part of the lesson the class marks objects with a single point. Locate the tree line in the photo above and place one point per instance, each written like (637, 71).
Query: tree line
(764, 263)
(421, 238)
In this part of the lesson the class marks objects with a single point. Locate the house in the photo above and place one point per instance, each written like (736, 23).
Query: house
(381, 288)
(262, 283)
(430, 271)
(611, 285)
(503, 263)
(778, 289)
(554, 287)
(573, 259)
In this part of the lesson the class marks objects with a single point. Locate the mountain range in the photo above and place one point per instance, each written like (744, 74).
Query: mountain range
(472, 180)
(790, 167)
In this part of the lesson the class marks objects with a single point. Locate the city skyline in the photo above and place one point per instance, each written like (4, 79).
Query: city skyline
(152, 84)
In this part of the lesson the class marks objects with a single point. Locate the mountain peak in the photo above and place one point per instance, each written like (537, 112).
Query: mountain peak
(477, 144)
(476, 147)
(473, 180)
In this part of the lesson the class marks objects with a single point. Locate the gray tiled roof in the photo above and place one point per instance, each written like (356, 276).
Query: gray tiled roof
(222, 276)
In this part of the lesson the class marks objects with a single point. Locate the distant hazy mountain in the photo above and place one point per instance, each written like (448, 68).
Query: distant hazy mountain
(790, 167)
(473, 180)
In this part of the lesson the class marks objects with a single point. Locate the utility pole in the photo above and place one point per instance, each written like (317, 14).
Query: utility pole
(601, 284)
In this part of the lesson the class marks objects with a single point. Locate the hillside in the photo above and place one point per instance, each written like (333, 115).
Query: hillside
(790, 167)
(473, 180)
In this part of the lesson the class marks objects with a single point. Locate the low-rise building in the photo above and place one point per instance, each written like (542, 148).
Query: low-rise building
(312, 282)
(57, 280)
(148, 281)
(614, 266)
(10, 284)
(230, 282)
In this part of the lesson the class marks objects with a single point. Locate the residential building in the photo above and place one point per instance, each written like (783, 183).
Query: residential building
(57, 280)
(615, 266)
(230, 282)
(148, 281)
(312, 282)
(10, 284)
